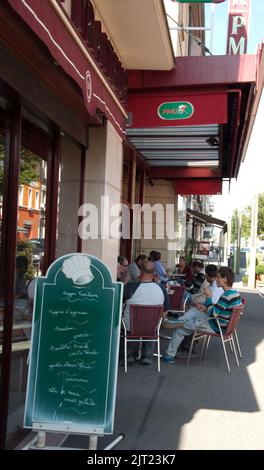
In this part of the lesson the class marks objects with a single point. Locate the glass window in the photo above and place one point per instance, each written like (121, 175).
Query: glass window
(31, 221)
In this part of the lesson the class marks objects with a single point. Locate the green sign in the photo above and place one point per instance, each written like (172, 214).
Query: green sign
(175, 110)
(75, 342)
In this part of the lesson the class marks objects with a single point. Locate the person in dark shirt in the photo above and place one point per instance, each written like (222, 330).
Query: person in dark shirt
(198, 277)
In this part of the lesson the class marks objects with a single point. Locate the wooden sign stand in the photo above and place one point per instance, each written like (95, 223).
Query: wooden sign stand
(74, 355)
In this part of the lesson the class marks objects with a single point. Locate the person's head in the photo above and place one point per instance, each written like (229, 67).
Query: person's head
(122, 260)
(154, 256)
(225, 277)
(147, 271)
(197, 266)
(211, 272)
(182, 261)
(118, 272)
(141, 259)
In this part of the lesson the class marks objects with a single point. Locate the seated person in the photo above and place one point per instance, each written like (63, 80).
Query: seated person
(200, 298)
(228, 300)
(210, 281)
(160, 271)
(183, 268)
(133, 270)
(122, 265)
(144, 292)
(197, 278)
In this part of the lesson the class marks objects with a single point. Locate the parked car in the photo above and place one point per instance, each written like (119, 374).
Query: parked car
(37, 250)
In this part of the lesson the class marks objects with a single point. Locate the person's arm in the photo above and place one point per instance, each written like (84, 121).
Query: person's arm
(166, 303)
(129, 290)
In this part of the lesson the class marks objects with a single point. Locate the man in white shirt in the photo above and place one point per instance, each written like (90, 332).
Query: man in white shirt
(145, 292)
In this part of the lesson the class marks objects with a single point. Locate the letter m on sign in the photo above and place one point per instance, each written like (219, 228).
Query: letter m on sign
(238, 26)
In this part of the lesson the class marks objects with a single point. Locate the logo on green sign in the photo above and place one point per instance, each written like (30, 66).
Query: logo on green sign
(176, 110)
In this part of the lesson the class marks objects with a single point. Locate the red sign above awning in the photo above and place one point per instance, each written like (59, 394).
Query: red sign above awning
(177, 109)
(188, 186)
(73, 56)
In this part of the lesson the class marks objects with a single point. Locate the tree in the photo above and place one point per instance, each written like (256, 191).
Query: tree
(261, 214)
(29, 167)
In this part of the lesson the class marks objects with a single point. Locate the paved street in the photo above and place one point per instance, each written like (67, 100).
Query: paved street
(202, 407)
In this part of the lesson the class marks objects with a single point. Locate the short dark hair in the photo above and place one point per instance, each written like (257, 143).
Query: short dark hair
(121, 259)
(224, 271)
(141, 258)
(211, 270)
(154, 255)
(197, 262)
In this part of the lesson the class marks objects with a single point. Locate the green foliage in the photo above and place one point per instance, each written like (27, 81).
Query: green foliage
(24, 248)
(260, 269)
(246, 221)
(29, 167)
(261, 214)
(245, 280)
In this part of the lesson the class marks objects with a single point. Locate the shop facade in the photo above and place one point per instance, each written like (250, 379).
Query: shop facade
(62, 123)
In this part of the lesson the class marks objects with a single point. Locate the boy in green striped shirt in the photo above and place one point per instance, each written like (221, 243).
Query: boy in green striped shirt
(228, 300)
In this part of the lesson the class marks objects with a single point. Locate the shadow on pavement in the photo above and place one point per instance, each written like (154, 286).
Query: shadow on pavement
(152, 407)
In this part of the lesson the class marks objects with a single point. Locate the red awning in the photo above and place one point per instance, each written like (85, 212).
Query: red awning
(189, 186)
(177, 109)
(76, 61)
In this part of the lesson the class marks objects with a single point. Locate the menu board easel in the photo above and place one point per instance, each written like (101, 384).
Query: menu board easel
(75, 343)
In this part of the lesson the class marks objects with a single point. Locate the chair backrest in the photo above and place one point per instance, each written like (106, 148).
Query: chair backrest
(234, 319)
(176, 298)
(144, 320)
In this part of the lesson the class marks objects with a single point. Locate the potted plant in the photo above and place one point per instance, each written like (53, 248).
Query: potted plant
(260, 272)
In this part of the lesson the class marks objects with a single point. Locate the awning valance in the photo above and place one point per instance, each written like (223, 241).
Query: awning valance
(50, 24)
(206, 219)
(188, 186)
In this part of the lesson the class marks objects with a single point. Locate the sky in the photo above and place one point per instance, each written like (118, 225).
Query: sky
(251, 174)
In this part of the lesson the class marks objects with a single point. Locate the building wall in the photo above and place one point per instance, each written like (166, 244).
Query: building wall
(163, 193)
(103, 177)
(69, 197)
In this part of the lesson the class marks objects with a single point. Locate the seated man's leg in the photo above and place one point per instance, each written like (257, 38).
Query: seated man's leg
(176, 339)
(185, 320)
(147, 352)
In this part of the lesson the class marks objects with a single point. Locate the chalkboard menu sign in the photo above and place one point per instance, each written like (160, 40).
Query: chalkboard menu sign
(75, 342)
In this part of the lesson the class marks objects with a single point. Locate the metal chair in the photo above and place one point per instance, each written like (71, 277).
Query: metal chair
(227, 336)
(235, 331)
(177, 300)
(145, 321)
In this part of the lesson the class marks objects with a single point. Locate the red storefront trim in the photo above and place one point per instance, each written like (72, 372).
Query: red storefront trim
(188, 186)
(49, 27)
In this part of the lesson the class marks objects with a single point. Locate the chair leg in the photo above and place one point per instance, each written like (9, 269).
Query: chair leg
(238, 345)
(206, 348)
(234, 346)
(190, 351)
(158, 355)
(231, 347)
(225, 353)
(203, 348)
(125, 354)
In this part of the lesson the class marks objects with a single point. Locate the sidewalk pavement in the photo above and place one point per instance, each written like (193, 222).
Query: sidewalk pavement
(201, 407)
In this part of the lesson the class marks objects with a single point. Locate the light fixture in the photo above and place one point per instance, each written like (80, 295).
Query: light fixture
(212, 141)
